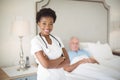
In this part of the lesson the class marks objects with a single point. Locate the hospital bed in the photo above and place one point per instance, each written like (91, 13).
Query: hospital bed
(107, 69)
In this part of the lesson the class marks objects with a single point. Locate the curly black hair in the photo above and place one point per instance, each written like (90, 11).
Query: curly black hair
(45, 12)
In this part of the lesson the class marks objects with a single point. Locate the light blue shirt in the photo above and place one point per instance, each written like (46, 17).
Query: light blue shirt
(73, 54)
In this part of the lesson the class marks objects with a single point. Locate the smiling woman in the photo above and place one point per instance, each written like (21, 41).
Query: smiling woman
(48, 50)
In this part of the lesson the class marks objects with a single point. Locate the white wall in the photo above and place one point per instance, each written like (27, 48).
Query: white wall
(9, 44)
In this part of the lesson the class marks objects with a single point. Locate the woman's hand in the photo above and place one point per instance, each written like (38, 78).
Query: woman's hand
(65, 57)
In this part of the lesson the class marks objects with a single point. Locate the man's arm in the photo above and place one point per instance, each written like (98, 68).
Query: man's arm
(93, 60)
(71, 67)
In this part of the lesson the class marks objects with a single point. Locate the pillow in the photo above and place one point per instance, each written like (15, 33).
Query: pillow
(84, 45)
(100, 51)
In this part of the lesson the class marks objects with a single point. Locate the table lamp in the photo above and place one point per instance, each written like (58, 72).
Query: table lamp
(21, 29)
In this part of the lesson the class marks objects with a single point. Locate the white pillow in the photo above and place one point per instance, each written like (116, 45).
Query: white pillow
(84, 45)
(100, 51)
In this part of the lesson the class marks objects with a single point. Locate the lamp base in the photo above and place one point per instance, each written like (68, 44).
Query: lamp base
(22, 65)
(21, 69)
(22, 61)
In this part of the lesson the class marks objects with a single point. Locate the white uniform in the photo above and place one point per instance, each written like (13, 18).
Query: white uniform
(53, 51)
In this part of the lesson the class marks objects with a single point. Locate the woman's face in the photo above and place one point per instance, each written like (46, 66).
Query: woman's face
(46, 25)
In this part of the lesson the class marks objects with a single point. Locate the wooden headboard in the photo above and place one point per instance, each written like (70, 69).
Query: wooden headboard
(86, 19)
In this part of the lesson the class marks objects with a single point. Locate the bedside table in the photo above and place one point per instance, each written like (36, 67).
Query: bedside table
(11, 73)
(116, 52)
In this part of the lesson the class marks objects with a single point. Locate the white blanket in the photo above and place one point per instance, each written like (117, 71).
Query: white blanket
(90, 71)
(113, 62)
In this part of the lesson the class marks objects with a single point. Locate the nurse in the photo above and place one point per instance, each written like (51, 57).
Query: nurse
(47, 49)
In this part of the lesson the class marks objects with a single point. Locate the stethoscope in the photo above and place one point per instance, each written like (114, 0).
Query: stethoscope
(46, 43)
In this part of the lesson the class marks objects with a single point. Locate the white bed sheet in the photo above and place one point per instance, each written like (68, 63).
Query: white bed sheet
(73, 76)
(113, 62)
(90, 71)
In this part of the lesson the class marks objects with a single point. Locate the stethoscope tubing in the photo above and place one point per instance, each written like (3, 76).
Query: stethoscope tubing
(46, 43)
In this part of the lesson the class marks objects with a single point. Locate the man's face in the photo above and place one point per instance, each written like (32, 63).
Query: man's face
(74, 45)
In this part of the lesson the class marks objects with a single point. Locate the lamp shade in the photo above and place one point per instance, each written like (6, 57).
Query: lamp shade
(20, 27)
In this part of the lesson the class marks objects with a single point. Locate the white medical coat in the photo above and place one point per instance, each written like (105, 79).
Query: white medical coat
(53, 51)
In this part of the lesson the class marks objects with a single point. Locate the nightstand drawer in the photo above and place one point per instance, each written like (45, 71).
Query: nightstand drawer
(33, 77)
